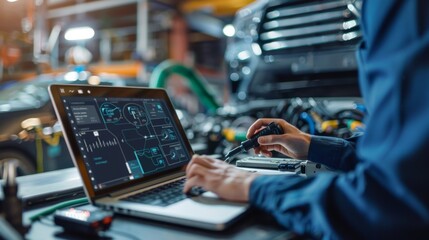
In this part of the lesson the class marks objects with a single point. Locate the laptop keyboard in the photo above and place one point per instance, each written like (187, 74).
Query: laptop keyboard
(164, 195)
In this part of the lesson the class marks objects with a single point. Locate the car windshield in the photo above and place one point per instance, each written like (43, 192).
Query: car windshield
(34, 94)
(25, 95)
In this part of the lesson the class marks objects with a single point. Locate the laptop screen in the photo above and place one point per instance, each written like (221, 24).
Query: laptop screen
(123, 139)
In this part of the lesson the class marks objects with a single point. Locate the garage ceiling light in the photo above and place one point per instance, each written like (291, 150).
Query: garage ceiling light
(79, 33)
(229, 30)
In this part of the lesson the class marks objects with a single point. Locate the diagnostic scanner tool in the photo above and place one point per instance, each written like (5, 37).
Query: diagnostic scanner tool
(281, 164)
(83, 221)
(272, 128)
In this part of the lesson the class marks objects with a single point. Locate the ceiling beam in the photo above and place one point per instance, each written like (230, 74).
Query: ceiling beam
(87, 7)
(205, 24)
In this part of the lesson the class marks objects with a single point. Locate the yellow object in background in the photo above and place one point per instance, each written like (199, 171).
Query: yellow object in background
(353, 124)
(328, 126)
(33, 129)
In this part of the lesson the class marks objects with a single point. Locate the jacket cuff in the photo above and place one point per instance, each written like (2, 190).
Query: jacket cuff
(327, 150)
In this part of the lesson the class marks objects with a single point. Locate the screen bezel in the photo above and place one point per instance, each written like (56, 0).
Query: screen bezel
(110, 92)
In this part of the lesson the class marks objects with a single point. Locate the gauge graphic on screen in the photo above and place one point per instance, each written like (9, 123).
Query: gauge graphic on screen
(168, 135)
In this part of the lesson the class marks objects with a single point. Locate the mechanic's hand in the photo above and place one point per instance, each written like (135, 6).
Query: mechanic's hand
(292, 143)
(219, 177)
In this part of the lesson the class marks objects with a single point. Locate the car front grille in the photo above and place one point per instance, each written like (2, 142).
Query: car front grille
(309, 25)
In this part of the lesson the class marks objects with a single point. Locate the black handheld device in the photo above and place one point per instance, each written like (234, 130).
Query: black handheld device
(272, 128)
(83, 221)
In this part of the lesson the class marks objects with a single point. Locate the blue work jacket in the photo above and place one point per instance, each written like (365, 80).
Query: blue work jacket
(381, 190)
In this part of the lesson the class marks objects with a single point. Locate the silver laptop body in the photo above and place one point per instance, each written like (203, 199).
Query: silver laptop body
(127, 140)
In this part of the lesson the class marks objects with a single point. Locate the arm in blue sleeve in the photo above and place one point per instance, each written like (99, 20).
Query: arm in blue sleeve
(336, 153)
(354, 205)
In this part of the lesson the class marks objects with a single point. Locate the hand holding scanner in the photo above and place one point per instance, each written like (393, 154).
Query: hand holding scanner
(272, 128)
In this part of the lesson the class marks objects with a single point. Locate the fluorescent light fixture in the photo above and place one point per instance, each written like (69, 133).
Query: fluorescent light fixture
(12, 0)
(79, 33)
(229, 30)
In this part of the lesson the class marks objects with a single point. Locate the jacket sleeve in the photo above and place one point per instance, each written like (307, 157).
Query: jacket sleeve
(335, 153)
(352, 205)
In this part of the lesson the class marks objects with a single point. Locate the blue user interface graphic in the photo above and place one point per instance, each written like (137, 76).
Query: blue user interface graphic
(124, 139)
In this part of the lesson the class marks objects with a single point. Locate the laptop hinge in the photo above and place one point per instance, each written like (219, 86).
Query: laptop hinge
(147, 184)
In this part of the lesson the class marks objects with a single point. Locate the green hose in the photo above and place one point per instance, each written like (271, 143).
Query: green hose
(60, 205)
(167, 68)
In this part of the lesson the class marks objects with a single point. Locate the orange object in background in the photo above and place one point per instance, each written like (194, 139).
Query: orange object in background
(179, 42)
(10, 55)
(124, 69)
(220, 8)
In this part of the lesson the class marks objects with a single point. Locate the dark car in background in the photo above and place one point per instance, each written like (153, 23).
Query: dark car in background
(296, 60)
(29, 131)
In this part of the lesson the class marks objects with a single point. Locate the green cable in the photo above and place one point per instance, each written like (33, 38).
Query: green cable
(58, 206)
(167, 68)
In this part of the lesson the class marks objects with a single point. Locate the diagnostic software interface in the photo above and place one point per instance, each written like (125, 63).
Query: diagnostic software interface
(122, 139)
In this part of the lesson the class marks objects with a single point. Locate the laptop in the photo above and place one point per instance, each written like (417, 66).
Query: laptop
(131, 152)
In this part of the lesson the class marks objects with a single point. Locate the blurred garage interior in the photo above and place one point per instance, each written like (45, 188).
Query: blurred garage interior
(286, 59)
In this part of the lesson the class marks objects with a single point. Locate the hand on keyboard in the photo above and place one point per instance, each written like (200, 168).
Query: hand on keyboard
(195, 191)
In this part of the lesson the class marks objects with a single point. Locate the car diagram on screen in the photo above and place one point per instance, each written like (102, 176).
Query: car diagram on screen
(135, 114)
(146, 134)
(125, 138)
(110, 112)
